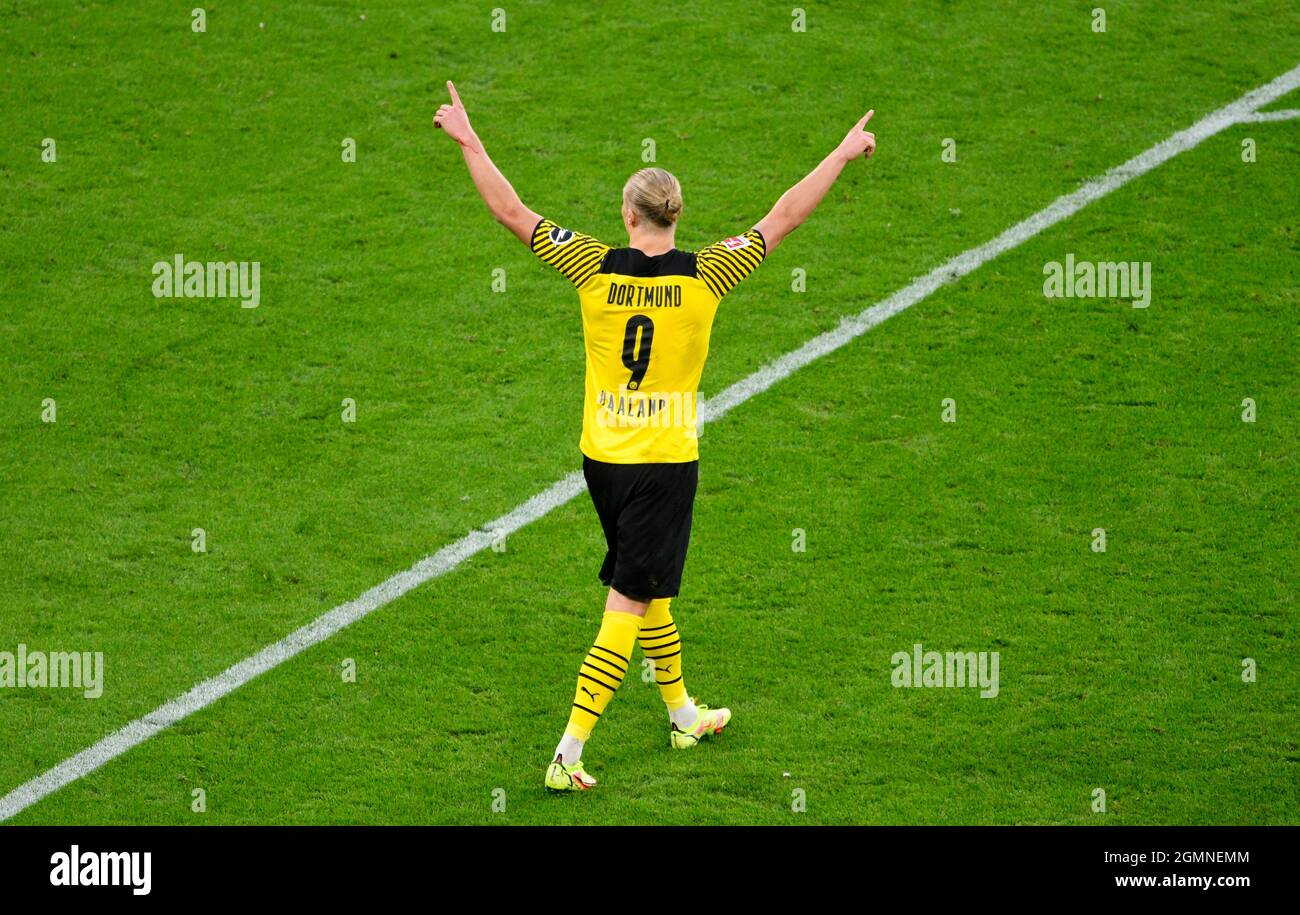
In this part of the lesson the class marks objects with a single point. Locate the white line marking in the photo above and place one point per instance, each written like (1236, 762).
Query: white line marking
(449, 557)
(1061, 208)
(1258, 117)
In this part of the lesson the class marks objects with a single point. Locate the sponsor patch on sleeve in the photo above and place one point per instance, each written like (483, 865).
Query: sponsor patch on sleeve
(736, 241)
(561, 236)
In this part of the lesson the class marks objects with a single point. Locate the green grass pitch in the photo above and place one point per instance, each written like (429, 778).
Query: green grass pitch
(1119, 671)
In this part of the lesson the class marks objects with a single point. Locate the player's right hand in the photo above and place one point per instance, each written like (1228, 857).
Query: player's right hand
(858, 142)
(454, 119)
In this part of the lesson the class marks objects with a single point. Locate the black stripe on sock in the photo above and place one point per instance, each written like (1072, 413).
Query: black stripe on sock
(658, 638)
(601, 682)
(596, 661)
(614, 653)
(600, 670)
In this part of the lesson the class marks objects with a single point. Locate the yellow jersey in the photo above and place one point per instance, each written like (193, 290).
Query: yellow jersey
(645, 323)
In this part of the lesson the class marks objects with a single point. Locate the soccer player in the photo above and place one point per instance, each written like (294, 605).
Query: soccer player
(647, 310)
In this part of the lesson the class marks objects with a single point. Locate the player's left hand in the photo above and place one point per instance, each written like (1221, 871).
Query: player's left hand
(859, 143)
(454, 119)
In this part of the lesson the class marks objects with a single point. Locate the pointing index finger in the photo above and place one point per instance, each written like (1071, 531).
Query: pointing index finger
(455, 97)
(866, 117)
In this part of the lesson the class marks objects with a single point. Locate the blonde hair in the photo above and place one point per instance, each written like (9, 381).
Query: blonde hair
(655, 194)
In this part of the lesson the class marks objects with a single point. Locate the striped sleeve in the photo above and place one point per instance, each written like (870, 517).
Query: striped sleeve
(726, 263)
(577, 256)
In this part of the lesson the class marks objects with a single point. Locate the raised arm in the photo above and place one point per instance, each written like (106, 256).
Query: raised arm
(797, 204)
(493, 187)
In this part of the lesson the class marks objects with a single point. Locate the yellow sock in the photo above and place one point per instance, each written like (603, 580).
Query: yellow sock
(602, 671)
(661, 643)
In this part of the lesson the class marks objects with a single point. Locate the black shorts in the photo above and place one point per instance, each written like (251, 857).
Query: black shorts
(645, 510)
